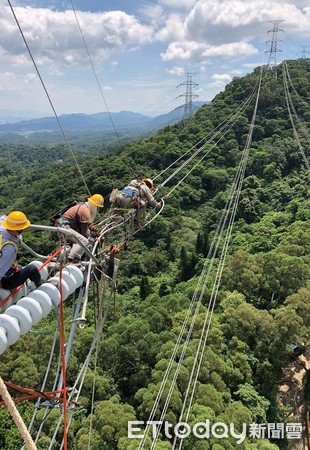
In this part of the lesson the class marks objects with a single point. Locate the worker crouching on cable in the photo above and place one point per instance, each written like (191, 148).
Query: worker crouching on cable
(138, 194)
(11, 276)
(79, 218)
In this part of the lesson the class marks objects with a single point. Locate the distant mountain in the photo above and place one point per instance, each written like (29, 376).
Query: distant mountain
(12, 115)
(103, 121)
(78, 122)
(172, 117)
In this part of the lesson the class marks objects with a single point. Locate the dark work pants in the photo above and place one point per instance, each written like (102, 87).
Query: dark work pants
(20, 277)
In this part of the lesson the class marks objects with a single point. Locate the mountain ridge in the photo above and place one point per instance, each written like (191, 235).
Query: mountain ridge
(102, 121)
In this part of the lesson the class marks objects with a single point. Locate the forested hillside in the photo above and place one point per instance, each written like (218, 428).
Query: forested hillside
(263, 301)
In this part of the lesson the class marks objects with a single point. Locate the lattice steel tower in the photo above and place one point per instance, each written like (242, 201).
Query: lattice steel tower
(304, 51)
(189, 96)
(272, 60)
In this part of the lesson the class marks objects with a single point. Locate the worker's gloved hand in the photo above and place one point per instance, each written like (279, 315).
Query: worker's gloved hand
(158, 206)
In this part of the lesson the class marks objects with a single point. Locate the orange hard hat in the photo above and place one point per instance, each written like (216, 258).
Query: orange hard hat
(148, 182)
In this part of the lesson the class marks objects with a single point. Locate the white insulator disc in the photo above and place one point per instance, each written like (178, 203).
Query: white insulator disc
(52, 291)
(43, 271)
(34, 308)
(22, 315)
(69, 278)
(64, 286)
(44, 299)
(77, 273)
(20, 293)
(3, 340)
(11, 326)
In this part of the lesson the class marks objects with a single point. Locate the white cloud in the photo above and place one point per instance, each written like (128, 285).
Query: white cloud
(221, 77)
(215, 22)
(154, 14)
(7, 81)
(114, 65)
(133, 51)
(53, 37)
(227, 28)
(178, 3)
(232, 49)
(10, 80)
(176, 70)
(186, 50)
(173, 28)
(191, 50)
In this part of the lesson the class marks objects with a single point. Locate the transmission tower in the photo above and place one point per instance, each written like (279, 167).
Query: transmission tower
(272, 60)
(304, 51)
(189, 96)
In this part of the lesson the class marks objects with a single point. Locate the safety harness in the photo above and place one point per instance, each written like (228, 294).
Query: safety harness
(14, 268)
(134, 194)
(2, 244)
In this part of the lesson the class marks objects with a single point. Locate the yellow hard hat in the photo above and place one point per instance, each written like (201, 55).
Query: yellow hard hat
(96, 200)
(148, 182)
(16, 221)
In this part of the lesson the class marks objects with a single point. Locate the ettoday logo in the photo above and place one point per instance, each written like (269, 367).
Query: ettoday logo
(218, 430)
(182, 430)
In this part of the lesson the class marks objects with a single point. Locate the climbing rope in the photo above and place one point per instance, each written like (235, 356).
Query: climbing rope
(16, 416)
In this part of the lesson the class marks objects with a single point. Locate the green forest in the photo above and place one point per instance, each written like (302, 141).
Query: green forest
(263, 300)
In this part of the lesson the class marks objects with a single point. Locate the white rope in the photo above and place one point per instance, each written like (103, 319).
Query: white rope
(16, 416)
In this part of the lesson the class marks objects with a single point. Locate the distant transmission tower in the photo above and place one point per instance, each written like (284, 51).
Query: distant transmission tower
(272, 60)
(304, 50)
(189, 96)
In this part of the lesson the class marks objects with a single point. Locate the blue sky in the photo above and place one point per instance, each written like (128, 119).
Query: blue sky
(140, 50)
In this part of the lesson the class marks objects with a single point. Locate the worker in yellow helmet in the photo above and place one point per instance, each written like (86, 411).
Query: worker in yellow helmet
(137, 194)
(11, 227)
(79, 218)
